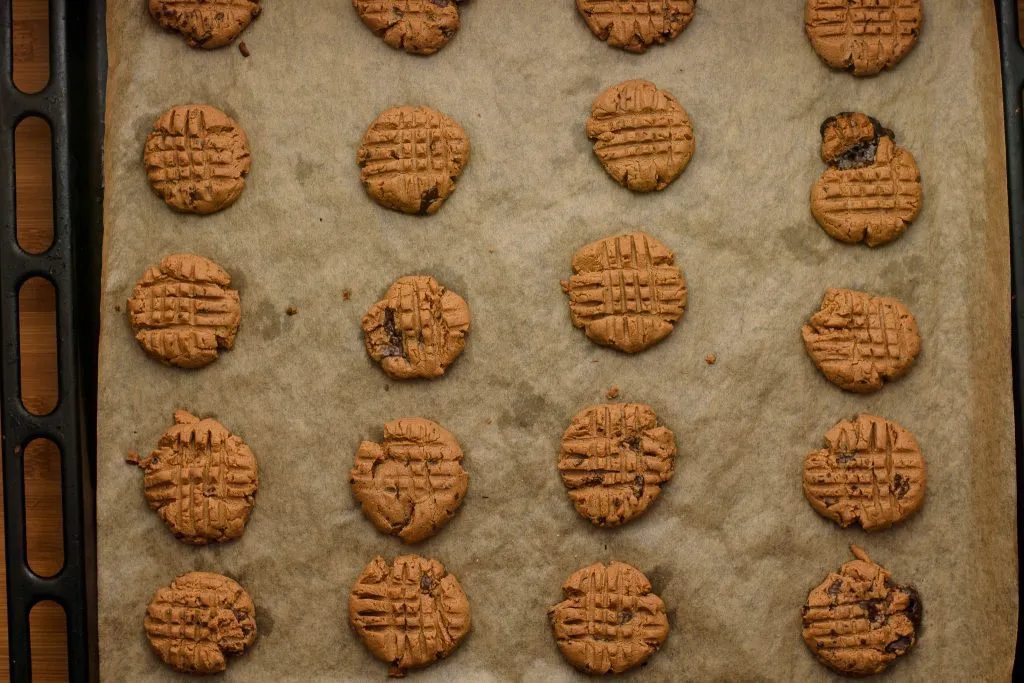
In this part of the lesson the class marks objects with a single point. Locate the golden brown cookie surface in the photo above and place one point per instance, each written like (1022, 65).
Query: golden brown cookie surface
(871, 471)
(642, 135)
(207, 24)
(410, 158)
(201, 479)
(864, 36)
(610, 620)
(198, 620)
(857, 621)
(614, 459)
(858, 341)
(196, 158)
(419, 27)
(408, 613)
(626, 291)
(413, 483)
(184, 310)
(634, 25)
(418, 329)
(872, 189)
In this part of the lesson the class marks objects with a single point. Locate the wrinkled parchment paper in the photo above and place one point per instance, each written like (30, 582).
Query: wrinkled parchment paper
(731, 546)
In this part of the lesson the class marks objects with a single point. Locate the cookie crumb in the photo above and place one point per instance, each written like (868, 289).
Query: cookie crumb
(612, 393)
(711, 359)
(291, 310)
(387, 387)
(117, 307)
(595, 361)
(244, 49)
(346, 294)
(488, 421)
(490, 251)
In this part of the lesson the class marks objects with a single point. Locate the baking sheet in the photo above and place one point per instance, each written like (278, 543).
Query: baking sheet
(731, 546)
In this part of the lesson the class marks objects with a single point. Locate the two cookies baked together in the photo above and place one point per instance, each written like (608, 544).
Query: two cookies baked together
(625, 292)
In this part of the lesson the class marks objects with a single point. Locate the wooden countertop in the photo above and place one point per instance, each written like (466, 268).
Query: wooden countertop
(39, 378)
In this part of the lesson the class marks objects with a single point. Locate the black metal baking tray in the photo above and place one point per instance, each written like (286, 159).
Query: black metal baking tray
(73, 104)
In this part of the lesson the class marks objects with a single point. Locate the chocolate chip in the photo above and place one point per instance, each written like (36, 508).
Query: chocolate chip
(899, 646)
(625, 616)
(834, 589)
(901, 485)
(428, 198)
(427, 583)
(395, 346)
(638, 486)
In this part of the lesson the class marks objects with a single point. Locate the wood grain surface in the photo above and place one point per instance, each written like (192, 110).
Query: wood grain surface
(39, 380)
(38, 348)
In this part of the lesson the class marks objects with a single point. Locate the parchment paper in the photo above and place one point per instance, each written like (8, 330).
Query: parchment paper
(732, 546)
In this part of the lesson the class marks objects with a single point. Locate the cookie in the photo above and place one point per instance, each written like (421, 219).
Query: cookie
(859, 341)
(614, 459)
(626, 291)
(409, 613)
(858, 621)
(418, 329)
(413, 483)
(196, 158)
(641, 134)
(207, 24)
(198, 620)
(184, 310)
(420, 27)
(201, 480)
(634, 25)
(864, 36)
(871, 471)
(610, 620)
(410, 158)
(871, 190)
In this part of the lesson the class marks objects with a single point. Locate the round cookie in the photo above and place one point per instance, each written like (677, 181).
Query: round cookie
(410, 613)
(871, 471)
(614, 459)
(610, 620)
(201, 480)
(633, 25)
(418, 329)
(857, 621)
(411, 484)
(184, 310)
(871, 190)
(410, 158)
(196, 158)
(641, 134)
(420, 27)
(859, 341)
(864, 36)
(626, 291)
(203, 23)
(198, 620)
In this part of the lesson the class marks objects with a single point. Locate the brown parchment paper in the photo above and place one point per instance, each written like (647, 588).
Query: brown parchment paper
(731, 546)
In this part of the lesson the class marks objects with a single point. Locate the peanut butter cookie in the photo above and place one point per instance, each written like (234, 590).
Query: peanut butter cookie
(201, 480)
(196, 158)
(207, 24)
(871, 191)
(857, 621)
(634, 25)
(864, 36)
(419, 27)
(871, 471)
(610, 620)
(409, 613)
(198, 620)
(859, 341)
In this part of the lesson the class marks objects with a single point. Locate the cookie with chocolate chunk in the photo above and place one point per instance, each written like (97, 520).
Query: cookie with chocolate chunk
(203, 23)
(418, 329)
(870, 472)
(199, 619)
(412, 483)
(858, 621)
(610, 620)
(409, 613)
(420, 27)
(410, 158)
(871, 190)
